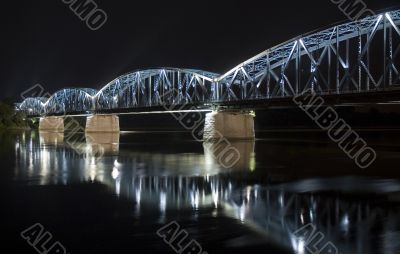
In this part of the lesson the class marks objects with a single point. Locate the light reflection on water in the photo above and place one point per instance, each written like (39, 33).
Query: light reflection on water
(171, 182)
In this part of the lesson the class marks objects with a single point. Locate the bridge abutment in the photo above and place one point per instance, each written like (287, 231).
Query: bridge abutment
(51, 123)
(102, 123)
(229, 125)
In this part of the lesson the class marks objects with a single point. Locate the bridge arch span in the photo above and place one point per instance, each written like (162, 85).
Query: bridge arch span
(70, 100)
(358, 56)
(154, 87)
(33, 106)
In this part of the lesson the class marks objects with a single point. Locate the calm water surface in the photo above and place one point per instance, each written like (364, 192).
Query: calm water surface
(283, 182)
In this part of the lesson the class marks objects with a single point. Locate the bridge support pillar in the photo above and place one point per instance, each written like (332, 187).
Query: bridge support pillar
(52, 124)
(102, 123)
(229, 125)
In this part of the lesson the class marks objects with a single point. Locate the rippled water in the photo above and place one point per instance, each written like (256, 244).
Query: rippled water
(284, 184)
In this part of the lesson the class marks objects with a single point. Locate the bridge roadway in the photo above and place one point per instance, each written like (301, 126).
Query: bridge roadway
(351, 99)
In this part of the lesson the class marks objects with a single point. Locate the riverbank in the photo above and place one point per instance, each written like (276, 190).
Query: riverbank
(11, 120)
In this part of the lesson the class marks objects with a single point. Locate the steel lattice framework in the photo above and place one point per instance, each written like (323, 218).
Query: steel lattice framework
(155, 87)
(70, 100)
(33, 106)
(356, 57)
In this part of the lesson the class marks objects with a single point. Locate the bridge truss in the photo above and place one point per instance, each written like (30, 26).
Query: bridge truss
(355, 57)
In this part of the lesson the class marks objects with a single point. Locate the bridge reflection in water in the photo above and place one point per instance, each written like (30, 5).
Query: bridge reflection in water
(193, 182)
(102, 143)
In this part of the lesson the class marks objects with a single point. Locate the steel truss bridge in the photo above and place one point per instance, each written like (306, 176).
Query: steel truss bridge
(359, 59)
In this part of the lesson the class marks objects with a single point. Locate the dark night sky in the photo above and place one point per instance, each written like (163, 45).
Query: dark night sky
(43, 42)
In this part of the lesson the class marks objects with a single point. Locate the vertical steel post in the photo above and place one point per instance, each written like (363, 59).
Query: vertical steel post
(149, 99)
(384, 52)
(348, 77)
(268, 76)
(390, 56)
(368, 65)
(359, 61)
(298, 59)
(329, 67)
(337, 61)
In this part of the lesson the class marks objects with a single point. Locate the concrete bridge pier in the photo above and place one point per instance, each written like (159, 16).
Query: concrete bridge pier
(229, 125)
(51, 124)
(102, 123)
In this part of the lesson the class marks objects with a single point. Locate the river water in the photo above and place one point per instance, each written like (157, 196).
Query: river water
(283, 184)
